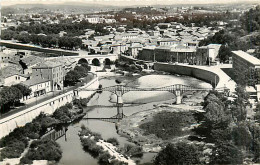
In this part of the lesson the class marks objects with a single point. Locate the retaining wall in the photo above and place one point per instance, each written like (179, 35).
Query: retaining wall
(198, 73)
(8, 124)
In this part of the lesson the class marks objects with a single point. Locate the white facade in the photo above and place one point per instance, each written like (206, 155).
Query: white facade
(14, 79)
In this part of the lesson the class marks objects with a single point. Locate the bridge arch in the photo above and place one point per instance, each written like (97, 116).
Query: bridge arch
(83, 61)
(96, 62)
(146, 66)
(107, 61)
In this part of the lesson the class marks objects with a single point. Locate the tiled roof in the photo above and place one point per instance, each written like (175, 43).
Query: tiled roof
(48, 64)
(32, 60)
(34, 81)
(9, 71)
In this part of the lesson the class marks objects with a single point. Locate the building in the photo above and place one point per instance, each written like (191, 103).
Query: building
(12, 79)
(11, 75)
(52, 71)
(134, 49)
(168, 54)
(206, 55)
(38, 86)
(245, 63)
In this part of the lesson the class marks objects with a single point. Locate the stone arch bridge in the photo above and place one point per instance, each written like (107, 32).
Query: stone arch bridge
(92, 59)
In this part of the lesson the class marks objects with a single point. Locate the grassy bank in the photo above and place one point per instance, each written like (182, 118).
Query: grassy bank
(168, 125)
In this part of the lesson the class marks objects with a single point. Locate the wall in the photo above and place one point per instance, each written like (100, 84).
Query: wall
(201, 74)
(19, 119)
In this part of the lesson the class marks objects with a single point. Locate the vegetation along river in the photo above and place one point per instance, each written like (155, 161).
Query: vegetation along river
(134, 102)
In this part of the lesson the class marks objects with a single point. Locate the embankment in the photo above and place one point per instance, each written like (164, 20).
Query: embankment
(8, 124)
(198, 73)
(211, 74)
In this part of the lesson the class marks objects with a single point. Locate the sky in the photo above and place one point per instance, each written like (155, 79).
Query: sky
(122, 2)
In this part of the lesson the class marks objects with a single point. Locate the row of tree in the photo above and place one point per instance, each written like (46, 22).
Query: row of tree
(72, 29)
(44, 40)
(10, 96)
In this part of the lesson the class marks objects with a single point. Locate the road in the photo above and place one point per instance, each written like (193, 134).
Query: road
(47, 97)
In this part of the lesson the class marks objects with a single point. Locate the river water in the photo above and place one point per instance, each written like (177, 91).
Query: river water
(133, 102)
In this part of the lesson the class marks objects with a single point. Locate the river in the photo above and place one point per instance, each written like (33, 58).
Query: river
(133, 102)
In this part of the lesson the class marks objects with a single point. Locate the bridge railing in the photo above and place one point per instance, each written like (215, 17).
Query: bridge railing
(166, 88)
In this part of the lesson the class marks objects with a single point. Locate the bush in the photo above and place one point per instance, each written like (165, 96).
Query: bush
(226, 153)
(104, 158)
(91, 146)
(44, 150)
(132, 150)
(113, 141)
(63, 114)
(167, 125)
(179, 153)
(13, 150)
(25, 160)
(81, 102)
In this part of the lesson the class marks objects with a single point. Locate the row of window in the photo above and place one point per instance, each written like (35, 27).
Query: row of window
(61, 99)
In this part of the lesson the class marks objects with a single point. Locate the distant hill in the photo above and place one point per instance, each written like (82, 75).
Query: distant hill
(66, 7)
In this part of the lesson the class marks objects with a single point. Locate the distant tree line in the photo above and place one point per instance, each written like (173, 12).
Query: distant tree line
(235, 37)
(72, 29)
(250, 20)
(44, 41)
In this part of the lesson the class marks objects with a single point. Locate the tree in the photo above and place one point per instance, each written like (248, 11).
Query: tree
(238, 110)
(179, 153)
(224, 53)
(216, 119)
(24, 89)
(241, 135)
(226, 153)
(72, 77)
(103, 158)
(82, 71)
(114, 141)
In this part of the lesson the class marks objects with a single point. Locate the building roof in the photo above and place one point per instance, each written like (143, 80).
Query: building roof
(32, 60)
(10, 71)
(247, 57)
(48, 64)
(34, 81)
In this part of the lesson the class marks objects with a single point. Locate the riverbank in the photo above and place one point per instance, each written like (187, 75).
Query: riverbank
(106, 152)
(17, 146)
(130, 126)
(106, 108)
